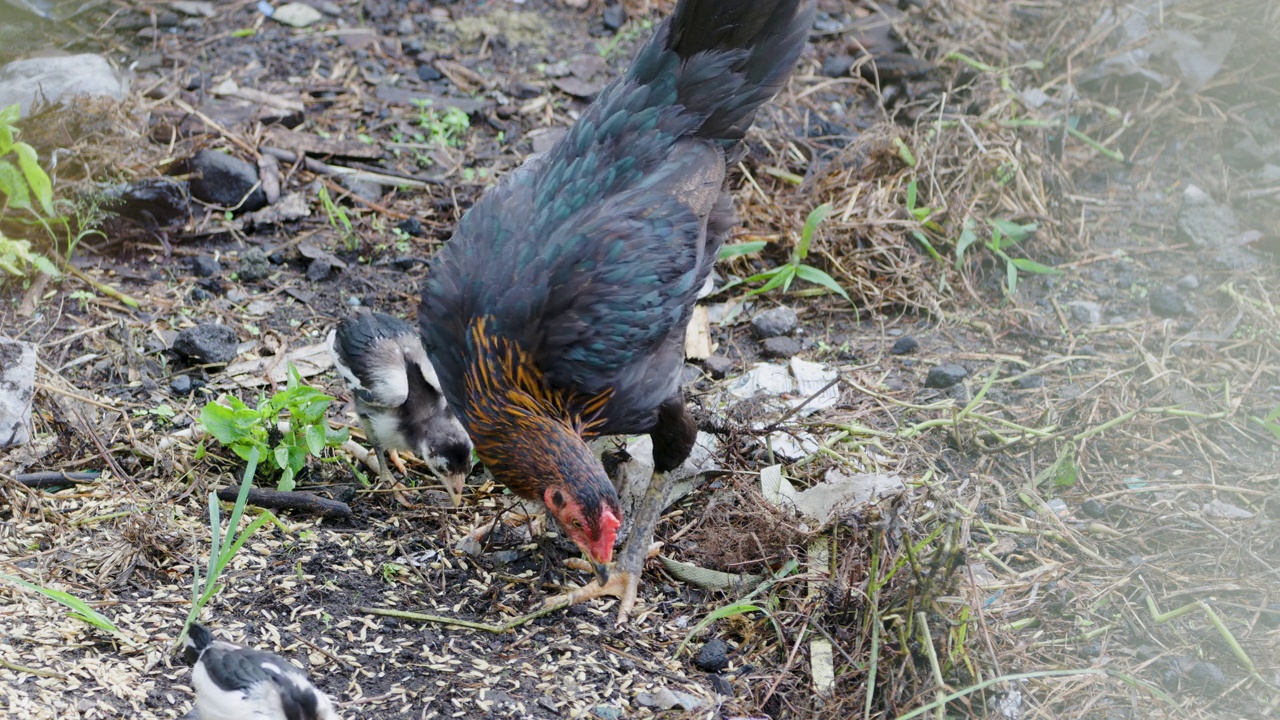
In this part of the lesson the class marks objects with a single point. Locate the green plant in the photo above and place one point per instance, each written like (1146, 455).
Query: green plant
(255, 432)
(16, 256)
(1004, 235)
(783, 275)
(624, 37)
(924, 216)
(77, 608)
(223, 547)
(338, 219)
(445, 128)
(23, 186)
(1271, 423)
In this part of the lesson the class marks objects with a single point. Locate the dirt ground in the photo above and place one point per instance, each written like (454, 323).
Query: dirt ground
(1085, 517)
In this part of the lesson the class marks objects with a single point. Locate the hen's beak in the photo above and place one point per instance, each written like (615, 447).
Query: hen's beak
(453, 484)
(602, 572)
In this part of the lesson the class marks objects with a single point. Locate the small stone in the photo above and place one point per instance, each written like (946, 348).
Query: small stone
(613, 17)
(319, 269)
(774, 322)
(1166, 301)
(205, 266)
(1188, 282)
(607, 712)
(1207, 678)
(410, 226)
(220, 179)
(207, 343)
(1085, 312)
(721, 686)
(781, 347)
(837, 65)
(1235, 259)
(180, 385)
(717, 366)
(253, 265)
(1204, 223)
(153, 203)
(713, 657)
(1246, 155)
(428, 73)
(944, 376)
(297, 15)
(1029, 382)
(1093, 508)
(17, 388)
(905, 344)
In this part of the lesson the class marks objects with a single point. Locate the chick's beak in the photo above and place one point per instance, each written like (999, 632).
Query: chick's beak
(453, 484)
(602, 572)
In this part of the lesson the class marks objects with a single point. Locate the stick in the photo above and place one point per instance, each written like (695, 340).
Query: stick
(302, 501)
(442, 620)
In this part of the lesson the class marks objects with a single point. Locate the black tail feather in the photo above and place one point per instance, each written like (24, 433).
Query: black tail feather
(735, 56)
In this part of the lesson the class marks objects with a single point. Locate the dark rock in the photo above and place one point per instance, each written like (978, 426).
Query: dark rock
(152, 202)
(199, 294)
(411, 226)
(905, 344)
(720, 685)
(180, 385)
(781, 347)
(1204, 223)
(713, 657)
(613, 17)
(253, 265)
(1029, 382)
(428, 73)
(220, 179)
(837, 65)
(717, 366)
(205, 266)
(1093, 508)
(319, 269)
(774, 322)
(207, 343)
(1166, 301)
(524, 91)
(944, 376)
(1085, 312)
(1235, 259)
(408, 262)
(1207, 678)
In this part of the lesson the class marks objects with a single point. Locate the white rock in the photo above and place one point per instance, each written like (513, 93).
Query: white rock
(811, 378)
(839, 491)
(763, 378)
(55, 78)
(17, 388)
(297, 15)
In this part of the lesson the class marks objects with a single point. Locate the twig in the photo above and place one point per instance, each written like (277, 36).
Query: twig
(442, 620)
(275, 500)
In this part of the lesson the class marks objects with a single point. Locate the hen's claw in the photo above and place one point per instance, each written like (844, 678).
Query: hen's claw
(395, 460)
(622, 584)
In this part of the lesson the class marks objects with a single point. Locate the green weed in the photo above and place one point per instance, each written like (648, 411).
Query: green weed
(1271, 423)
(77, 608)
(624, 37)
(24, 186)
(783, 275)
(253, 431)
(338, 219)
(1004, 235)
(445, 129)
(924, 216)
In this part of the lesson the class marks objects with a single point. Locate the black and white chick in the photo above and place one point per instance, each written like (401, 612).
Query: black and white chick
(239, 683)
(398, 397)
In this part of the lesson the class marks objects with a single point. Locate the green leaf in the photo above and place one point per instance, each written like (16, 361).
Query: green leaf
(80, 609)
(816, 216)
(818, 277)
(281, 456)
(335, 438)
(45, 265)
(10, 114)
(220, 421)
(286, 483)
(315, 440)
(782, 276)
(911, 197)
(1013, 232)
(14, 186)
(740, 249)
(37, 178)
(967, 238)
(1032, 266)
(1011, 274)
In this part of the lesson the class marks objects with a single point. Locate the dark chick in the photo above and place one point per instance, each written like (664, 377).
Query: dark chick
(238, 683)
(398, 396)
(558, 309)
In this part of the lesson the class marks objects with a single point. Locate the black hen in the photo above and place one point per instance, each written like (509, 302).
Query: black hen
(558, 309)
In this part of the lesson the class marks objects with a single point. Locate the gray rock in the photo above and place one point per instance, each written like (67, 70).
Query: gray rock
(1246, 155)
(774, 322)
(1166, 301)
(207, 343)
(720, 685)
(1235, 259)
(717, 366)
(56, 78)
(905, 344)
(837, 65)
(230, 182)
(613, 17)
(713, 657)
(319, 269)
(17, 388)
(1085, 312)
(1092, 508)
(428, 73)
(607, 712)
(205, 266)
(781, 347)
(1204, 223)
(180, 385)
(1029, 382)
(254, 265)
(1188, 282)
(944, 376)
(150, 202)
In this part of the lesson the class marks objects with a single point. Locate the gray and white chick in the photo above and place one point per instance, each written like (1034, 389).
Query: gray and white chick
(239, 683)
(398, 397)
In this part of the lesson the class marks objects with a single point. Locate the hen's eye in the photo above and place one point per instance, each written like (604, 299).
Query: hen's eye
(577, 524)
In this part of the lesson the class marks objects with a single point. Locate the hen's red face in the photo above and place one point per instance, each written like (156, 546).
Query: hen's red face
(592, 523)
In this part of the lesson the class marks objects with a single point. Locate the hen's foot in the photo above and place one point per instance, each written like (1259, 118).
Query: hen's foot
(624, 584)
(473, 542)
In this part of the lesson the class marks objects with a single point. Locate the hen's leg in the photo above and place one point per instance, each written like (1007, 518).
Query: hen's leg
(673, 436)
(397, 462)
